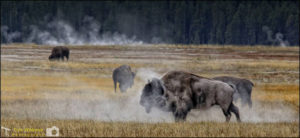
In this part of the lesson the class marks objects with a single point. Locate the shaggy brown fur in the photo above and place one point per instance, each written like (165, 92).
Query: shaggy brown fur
(59, 52)
(179, 92)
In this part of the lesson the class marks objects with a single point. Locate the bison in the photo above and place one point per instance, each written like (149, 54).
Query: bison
(179, 92)
(124, 76)
(243, 86)
(59, 52)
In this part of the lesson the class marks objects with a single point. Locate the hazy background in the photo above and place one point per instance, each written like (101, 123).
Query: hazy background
(144, 22)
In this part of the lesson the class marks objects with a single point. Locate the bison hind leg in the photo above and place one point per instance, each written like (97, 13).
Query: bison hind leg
(227, 114)
(235, 110)
(226, 110)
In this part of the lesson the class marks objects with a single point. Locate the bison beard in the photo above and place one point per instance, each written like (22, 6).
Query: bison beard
(179, 92)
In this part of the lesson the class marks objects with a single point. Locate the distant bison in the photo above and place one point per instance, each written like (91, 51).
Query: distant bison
(59, 52)
(179, 92)
(124, 76)
(243, 86)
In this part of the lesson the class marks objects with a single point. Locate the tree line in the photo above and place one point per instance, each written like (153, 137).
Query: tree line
(180, 22)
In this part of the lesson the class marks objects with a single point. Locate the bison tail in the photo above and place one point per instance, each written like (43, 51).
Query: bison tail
(252, 84)
(233, 87)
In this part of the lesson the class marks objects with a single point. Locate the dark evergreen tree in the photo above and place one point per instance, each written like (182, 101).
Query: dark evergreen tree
(183, 22)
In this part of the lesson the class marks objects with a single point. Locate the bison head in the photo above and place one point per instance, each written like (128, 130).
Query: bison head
(51, 57)
(124, 87)
(153, 95)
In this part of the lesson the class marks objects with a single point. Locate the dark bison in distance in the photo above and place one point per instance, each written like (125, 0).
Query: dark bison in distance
(179, 92)
(124, 76)
(243, 86)
(59, 52)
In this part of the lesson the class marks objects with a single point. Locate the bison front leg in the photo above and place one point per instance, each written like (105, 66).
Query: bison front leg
(182, 108)
(180, 115)
(62, 58)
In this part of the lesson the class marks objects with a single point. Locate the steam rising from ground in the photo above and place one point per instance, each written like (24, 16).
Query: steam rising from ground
(260, 112)
(60, 32)
(278, 40)
(9, 36)
(97, 105)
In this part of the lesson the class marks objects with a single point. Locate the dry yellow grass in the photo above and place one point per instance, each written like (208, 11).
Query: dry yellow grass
(14, 87)
(30, 79)
(80, 128)
(278, 92)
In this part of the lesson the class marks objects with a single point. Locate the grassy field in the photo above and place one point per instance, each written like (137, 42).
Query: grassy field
(85, 104)
(75, 128)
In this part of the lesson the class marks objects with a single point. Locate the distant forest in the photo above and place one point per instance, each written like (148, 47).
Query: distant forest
(176, 22)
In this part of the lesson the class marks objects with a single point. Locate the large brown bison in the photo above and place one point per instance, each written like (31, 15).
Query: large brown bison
(59, 52)
(243, 86)
(179, 92)
(124, 76)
